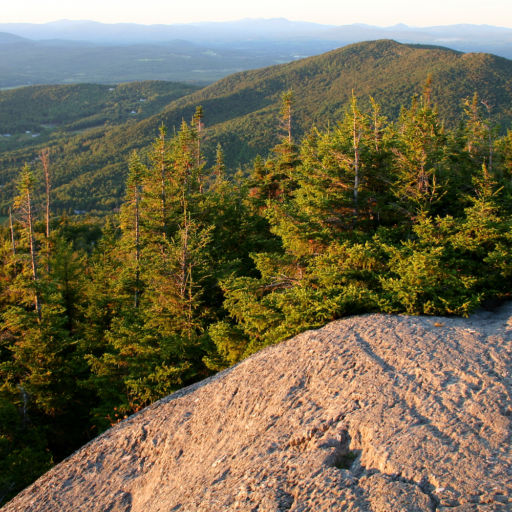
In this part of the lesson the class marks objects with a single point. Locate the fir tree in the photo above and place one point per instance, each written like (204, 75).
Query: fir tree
(419, 159)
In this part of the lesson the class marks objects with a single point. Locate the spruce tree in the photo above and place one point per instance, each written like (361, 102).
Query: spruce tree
(419, 162)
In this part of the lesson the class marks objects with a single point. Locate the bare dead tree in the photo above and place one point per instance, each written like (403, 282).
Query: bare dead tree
(45, 159)
(13, 239)
(23, 203)
(490, 140)
(356, 139)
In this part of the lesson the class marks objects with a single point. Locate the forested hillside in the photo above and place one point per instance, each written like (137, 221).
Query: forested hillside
(101, 316)
(70, 108)
(50, 112)
(240, 112)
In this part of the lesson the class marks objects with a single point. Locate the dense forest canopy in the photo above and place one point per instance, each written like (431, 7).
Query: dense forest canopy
(70, 108)
(101, 317)
(199, 268)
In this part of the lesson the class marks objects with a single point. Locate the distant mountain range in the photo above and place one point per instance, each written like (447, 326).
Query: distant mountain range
(241, 112)
(7, 38)
(87, 51)
(129, 33)
(460, 37)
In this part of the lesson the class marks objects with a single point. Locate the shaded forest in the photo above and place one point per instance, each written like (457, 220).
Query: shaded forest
(199, 269)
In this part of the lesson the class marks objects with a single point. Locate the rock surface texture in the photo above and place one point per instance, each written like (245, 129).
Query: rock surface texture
(371, 413)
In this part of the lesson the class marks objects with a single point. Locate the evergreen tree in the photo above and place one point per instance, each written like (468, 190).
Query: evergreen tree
(45, 160)
(131, 225)
(202, 268)
(275, 180)
(154, 342)
(419, 163)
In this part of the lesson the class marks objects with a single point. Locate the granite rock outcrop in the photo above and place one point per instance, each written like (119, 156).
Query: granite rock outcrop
(372, 413)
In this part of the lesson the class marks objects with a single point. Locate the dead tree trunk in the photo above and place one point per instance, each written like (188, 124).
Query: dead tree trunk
(13, 240)
(356, 138)
(33, 259)
(137, 249)
(45, 159)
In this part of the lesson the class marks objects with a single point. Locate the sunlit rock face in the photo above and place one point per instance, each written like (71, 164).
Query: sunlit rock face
(371, 413)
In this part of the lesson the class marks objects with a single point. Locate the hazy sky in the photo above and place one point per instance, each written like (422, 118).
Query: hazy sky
(337, 12)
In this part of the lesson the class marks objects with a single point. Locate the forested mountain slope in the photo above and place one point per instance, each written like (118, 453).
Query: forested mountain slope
(241, 111)
(245, 105)
(61, 110)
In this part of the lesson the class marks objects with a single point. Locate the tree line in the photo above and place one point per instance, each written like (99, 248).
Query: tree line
(199, 269)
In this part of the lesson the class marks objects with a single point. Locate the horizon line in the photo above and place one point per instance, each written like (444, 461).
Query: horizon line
(219, 22)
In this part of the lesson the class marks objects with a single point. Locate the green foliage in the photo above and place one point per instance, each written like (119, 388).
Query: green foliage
(199, 269)
(76, 107)
(424, 275)
(153, 337)
(376, 221)
(23, 451)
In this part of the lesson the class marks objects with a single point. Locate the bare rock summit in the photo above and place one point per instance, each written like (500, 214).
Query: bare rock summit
(371, 413)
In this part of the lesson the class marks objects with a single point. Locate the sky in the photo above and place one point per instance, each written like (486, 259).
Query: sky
(333, 12)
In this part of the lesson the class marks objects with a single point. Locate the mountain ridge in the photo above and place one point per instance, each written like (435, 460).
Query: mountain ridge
(8, 38)
(241, 110)
(255, 26)
(269, 40)
(61, 52)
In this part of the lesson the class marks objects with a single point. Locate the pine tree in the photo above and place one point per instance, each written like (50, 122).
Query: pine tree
(11, 229)
(131, 223)
(275, 180)
(219, 169)
(480, 134)
(156, 187)
(475, 128)
(197, 123)
(153, 343)
(103, 300)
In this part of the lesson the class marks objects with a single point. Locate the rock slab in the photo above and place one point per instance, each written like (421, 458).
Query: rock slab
(372, 413)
